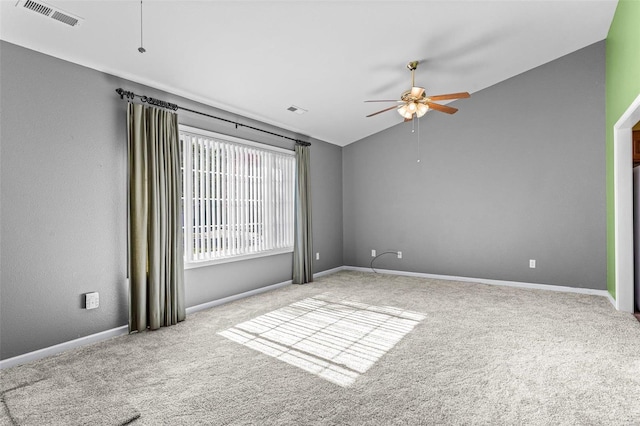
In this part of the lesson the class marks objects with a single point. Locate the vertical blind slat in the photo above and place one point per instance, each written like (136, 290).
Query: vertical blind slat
(194, 182)
(269, 201)
(287, 198)
(202, 229)
(246, 223)
(274, 189)
(225, 202)
(207, 199)
(233, 198)
(218, 202)
(260, 203)
(243, 219)
(279, 202)
(187, 211)
(254, 200)
(196, 200)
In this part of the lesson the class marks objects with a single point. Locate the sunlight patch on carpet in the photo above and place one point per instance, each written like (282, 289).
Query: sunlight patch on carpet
(337, 340)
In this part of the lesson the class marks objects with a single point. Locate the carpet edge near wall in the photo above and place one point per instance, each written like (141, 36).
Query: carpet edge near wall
(122, 330)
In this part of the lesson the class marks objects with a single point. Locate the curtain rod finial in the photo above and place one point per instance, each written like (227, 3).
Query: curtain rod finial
(123, 93)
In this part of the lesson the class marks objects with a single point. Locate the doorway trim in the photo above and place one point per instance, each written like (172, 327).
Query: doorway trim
(623, 205)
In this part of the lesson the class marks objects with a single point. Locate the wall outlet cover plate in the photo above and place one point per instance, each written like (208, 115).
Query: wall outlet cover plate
(92, 300)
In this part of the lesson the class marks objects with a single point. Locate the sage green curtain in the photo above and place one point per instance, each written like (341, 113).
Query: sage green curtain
(156, 268)
(303, 243)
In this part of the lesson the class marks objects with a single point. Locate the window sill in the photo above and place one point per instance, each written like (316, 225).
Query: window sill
(229, 259)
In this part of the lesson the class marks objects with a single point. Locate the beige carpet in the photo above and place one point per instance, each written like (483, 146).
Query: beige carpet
(415, 352)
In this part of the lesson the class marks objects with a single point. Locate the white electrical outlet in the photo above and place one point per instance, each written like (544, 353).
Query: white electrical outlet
(532, 263)
(399, 255)
(373, 253)
(317, 256)
(91, 300)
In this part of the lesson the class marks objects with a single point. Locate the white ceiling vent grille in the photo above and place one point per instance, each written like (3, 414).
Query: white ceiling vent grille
(50, 12)
(67, 19)
(37, 7)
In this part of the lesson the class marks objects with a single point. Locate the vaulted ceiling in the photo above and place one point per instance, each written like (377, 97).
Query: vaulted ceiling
(258, 58)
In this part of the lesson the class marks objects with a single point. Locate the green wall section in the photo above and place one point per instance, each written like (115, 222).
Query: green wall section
(623, 86)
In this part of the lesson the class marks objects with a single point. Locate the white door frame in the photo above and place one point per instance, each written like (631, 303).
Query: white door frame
(623, 204)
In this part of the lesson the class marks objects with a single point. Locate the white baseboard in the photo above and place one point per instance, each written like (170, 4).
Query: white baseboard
(234, 297)
(64, 346)
(118, 331)
(612, 300)
(256, 291)
(549, 287)
(328, 272)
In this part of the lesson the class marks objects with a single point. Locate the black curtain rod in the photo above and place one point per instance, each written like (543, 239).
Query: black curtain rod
(174, 107)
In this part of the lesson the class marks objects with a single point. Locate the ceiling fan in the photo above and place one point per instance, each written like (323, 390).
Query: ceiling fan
(416, 102)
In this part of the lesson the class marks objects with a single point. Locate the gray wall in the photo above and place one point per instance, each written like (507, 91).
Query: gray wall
(517, 174)
(63, 209)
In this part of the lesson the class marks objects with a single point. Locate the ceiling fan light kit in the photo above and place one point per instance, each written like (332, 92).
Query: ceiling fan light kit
(416, 102)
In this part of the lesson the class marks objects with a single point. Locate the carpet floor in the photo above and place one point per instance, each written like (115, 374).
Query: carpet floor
(352, 348)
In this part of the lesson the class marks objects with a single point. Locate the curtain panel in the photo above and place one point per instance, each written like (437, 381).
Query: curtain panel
(303, 243)
(156, 267)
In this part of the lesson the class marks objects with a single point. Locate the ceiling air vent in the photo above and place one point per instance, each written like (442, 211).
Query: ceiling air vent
(66, 19)
(296, 109)
(50, 12)
(37, 7)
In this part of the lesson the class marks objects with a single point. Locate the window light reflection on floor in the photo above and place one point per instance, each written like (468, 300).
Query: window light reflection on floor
(335, 339)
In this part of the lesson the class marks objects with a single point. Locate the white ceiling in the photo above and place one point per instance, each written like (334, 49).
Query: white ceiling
(257, 58)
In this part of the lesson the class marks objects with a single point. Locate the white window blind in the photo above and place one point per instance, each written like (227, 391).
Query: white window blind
(238, 197)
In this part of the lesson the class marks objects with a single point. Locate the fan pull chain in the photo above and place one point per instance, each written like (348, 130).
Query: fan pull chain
(418, 142)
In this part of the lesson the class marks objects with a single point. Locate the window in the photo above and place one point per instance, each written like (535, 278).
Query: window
(238, 198)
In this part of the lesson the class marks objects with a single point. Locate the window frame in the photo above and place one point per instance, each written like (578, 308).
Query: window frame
(187, 159)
